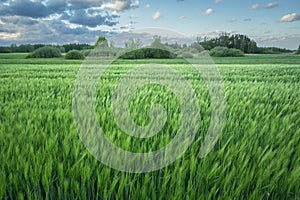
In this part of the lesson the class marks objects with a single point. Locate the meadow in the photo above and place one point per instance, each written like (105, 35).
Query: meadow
(256, 157)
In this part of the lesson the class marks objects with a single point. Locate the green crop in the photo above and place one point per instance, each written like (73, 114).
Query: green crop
(256, 157)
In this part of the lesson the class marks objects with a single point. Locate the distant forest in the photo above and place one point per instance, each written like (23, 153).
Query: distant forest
(236, 41)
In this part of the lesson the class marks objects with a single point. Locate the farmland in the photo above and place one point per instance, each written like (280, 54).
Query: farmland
(256, 157)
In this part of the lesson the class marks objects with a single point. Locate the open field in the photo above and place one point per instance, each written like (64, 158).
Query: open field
(256, 157)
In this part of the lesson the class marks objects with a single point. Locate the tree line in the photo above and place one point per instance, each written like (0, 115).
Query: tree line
(238, 41)
(235, 41)
(27, 48)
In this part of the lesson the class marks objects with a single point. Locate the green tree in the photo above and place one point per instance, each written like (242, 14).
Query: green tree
(133, 43)
(157, 43)
(101, 42)
(298, 51)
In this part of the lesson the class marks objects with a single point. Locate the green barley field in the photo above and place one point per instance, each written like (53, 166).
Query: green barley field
(256, 157)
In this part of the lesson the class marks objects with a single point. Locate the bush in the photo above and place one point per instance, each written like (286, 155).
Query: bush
(45, 52)
(225, 52)
(187, 55)
(103, 52)
(86, 52)
(146, 53)
(74, 55)
(235, 53)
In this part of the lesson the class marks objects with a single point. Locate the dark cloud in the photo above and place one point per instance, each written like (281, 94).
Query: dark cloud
(82, 4)
(81, 17)
(62, 28)
(48, 31)
(5, 30)
(25, 8)
(51, 20)
(57, 5)
(19, 20)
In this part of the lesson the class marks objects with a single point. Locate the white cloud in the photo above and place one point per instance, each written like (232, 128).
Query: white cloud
(115, 13)
(208, 11)
(135, 4)
(290, 18)
(156, 15)
(232, 20)
(9, 36)
(218, 1)
(272, 5)
(255, 7)
(120, 5)
(148, 6)
(182, 17)
(133, 16)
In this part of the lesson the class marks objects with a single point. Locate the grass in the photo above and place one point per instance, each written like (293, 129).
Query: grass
(257, 156)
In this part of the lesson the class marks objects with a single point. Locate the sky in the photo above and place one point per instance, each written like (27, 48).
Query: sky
(269, 23)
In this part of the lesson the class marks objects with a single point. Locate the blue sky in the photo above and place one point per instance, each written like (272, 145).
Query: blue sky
(270, 23)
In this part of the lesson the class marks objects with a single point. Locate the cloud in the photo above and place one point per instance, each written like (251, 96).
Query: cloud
(81, 4)
(19, 20)
(156, 15)
(272, 5)
(64, 28)
(208, 11)
(290, 18)
(5, 30)
(247, 20)
(46, 31)
(218, 1)
(40, 21)
(182, 17)
(232, 20)
(147, 5)
(289, 41)
(25, 8)
(81, 17)
(135, 4)
(255, 7)
(120, 5)
(57, 5)
(115, 13)
(133, 16)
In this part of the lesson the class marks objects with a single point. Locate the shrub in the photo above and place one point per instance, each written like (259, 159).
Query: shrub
(45, 52)
(74, 55)
(86, 52)
(187, 55)
(194, 51)
(236, 53)
(103, 52)
(225, 52)
(145, 53)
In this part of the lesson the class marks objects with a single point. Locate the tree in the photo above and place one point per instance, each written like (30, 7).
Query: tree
(74, 55)
(157, 43)
(298, 51)
(133, 43)
(46, 52)
(101, 42)
(237, 41)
